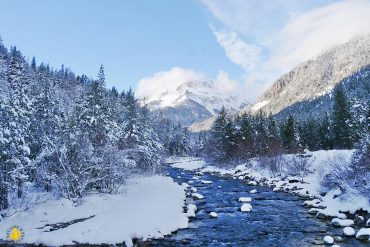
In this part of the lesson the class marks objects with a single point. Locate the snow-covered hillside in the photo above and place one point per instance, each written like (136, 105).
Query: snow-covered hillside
(194, 102)
(316, 77)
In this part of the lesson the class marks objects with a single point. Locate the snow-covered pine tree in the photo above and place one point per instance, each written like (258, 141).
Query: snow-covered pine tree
(222, 138)
(244, 136)
(17, 150)
(4, 63)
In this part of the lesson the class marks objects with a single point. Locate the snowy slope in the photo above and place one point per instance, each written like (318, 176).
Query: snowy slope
(194, 102)
(145, 208)
(316, 77)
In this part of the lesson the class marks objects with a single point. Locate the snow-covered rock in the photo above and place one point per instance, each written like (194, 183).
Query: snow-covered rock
(213, 214)
(185, 185)
(219, 186)
(311, 203)
(245, 199)
(206, 182)
(197, 196)
(363, 234)
(328, 239)
(342, 222)
(252, 183)
(254, 191)
(193, 189)
(191, 209)
(313, 211)
(368, 222)
(246, 207)
(349, 231)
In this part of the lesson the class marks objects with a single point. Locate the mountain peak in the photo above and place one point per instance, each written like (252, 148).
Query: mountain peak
(204, 94)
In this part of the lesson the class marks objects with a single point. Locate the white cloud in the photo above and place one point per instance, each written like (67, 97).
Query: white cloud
(153, 86)
(224, 85)
(268, 38)
(169, 80)
(238, 51)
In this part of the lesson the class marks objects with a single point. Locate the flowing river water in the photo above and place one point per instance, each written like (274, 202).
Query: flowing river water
(277, 218)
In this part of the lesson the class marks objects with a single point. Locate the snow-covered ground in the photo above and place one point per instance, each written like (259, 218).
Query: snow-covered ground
(186, 163)
(146, 207)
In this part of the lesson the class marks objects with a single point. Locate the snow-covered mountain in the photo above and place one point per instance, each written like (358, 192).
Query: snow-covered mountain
(316, 77)
(193, 102)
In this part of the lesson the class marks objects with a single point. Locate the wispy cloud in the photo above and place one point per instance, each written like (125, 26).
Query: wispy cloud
(238, 51)
(268, 38)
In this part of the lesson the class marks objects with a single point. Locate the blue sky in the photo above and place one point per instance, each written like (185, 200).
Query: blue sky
(133, 39)
(153, 45)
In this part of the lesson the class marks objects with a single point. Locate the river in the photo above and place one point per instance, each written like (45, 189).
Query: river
(277, 218)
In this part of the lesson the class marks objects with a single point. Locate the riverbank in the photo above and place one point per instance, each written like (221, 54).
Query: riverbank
(337, 203)
(272, 218)
(146, 207)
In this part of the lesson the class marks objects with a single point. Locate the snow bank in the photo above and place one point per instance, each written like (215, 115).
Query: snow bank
(186, 163)
(191, 209)
(145, 208)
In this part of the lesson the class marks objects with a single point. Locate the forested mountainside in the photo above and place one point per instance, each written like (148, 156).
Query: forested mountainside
(193, 102)
(70, 135)
(356, 87)
(316, 77)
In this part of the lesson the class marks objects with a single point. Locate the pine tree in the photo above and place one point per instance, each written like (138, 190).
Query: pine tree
(244, 136)
(222, 136)
(341, 120)
(309, 134)
(17, 162)
(274, 142)
(33, 64)
(101, 77)
(325, 134)
(261, 136)
(289, 134)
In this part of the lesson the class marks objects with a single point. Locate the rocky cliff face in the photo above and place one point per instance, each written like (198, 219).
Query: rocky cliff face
(316, 77)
